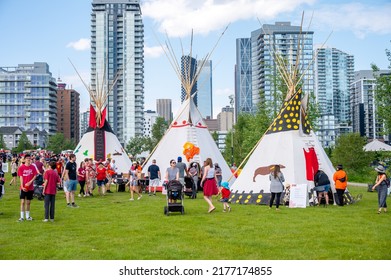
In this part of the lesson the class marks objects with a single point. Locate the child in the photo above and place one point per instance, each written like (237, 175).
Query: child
(225, 193)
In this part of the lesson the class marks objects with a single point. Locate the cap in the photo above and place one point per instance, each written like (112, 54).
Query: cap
(339, 166)
(179, 159)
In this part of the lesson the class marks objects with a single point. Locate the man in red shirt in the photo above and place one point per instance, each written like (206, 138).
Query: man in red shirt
(27, 173)
(51, 180)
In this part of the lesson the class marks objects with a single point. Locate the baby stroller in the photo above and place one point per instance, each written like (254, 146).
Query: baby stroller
(38, 188)
(174, 194)
(189, 185)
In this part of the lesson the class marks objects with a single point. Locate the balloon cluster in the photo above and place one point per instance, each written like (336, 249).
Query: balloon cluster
(190, 150)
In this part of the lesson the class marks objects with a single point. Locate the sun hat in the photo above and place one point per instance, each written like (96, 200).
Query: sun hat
(225, 185)
(380, 169)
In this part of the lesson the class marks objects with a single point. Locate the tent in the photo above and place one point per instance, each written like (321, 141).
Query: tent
(188, 135)
(99, 141)
(288, 142)
(376, 146)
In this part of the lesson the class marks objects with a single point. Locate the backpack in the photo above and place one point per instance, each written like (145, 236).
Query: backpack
(387, 181)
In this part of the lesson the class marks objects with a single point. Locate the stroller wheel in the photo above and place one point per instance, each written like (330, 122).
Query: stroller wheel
(166, 210)
(183, 210)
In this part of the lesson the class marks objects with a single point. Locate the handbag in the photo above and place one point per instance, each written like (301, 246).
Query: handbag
(283, 187)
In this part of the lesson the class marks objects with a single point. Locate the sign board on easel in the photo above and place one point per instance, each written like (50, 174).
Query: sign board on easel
(4, 167)
(298, 196)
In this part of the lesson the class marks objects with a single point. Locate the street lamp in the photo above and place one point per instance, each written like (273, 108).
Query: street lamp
(231, 102)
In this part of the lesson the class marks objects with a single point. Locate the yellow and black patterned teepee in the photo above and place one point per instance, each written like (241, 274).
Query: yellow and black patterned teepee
(292, 116)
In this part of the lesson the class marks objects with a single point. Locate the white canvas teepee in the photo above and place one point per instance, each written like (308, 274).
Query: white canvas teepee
(376, 146)
(187, 130)
(99, 141)
(289, 142)
(188, 135)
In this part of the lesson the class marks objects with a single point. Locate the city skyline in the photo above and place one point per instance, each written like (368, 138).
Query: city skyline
(42, 36)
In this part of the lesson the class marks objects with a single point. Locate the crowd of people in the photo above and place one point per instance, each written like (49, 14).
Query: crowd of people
(56, 172)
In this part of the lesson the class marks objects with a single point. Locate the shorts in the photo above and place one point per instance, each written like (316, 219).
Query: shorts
(101, 183)
(326, 188)
(14, 174)
(26, 195)
(154, 182)
(71, 185)
(224, 199)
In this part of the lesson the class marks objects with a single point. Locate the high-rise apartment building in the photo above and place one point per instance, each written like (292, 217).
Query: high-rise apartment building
(204, 86)
(334, 72)
(84, 121)
(28, 97)
(68, 108)
(188, 71)
(164, 109)
(117, 48)
(225, 119)
(149, 120)
(243, 77)
(281, 39)
(364, 120)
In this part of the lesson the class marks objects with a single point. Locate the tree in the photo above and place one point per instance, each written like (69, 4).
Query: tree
(138, 144)
(159, 128)
(383, 94)
(58, 143)
(2, 143)
(349, 152)
(24, 144)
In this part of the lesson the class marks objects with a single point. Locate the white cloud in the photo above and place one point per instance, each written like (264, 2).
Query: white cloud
(358, 18)
(81, 45)
(153, 52)
(178, 17)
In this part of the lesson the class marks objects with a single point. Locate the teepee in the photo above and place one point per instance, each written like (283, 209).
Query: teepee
(99, 142)
(288, 142)
(188, 135)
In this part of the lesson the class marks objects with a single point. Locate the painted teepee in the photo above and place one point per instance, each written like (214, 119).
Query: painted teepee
(188, 135)
(288, 142)
(99, 142)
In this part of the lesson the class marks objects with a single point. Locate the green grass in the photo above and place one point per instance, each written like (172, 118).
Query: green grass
(112, 227)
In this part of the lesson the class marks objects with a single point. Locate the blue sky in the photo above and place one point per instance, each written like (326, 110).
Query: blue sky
(54, 30)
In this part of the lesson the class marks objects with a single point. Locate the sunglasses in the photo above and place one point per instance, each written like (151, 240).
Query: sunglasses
(173, 162)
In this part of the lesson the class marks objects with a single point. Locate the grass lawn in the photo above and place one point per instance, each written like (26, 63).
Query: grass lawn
(112, 227)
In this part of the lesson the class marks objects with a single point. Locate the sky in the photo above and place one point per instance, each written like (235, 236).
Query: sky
(57, 31)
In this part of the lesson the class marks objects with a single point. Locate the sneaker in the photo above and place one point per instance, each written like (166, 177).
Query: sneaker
(139, 197)
(79, 195)
(109, 191)
(29, 219)
(85, 195)
(75, 206)
(20, 220)
(46, 220)
(154, 194)
(69, 205)
(131, 199)
(224, 210)
(149, 194)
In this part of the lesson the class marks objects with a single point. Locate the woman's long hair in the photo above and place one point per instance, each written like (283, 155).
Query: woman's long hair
(209, 162)
(276, 170)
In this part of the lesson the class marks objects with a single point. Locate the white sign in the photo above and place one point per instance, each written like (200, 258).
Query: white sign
(298, 196)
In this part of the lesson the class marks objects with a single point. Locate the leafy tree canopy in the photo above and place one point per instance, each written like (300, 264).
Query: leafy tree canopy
(58, 143)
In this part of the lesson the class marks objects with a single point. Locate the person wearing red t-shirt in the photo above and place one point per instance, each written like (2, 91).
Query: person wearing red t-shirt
(81, 178)
(225, 193)
(27, 173)
(101, 178)
(51, 180)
